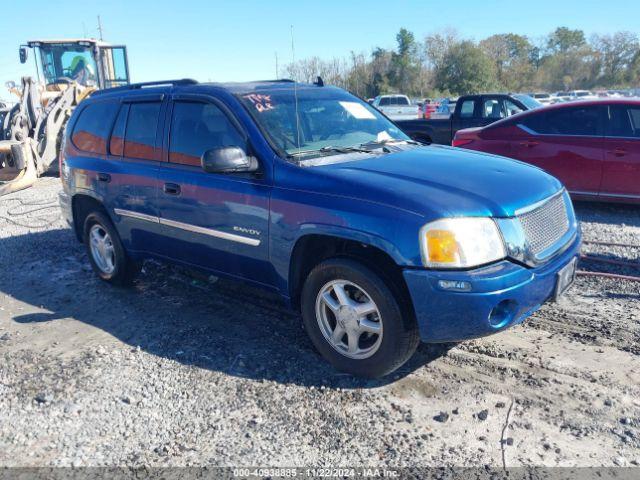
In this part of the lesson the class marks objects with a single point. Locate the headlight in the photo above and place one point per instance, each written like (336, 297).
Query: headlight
(461, 243)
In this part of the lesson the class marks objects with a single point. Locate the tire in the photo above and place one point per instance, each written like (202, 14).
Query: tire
(119, 269)
(377, 354)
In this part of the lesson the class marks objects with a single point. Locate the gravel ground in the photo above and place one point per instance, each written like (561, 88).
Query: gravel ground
(184, 371)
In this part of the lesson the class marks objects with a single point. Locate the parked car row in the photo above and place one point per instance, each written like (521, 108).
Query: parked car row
(543, 98)
(593, 147)
(469, 111)
(572, 95)
(400, 107)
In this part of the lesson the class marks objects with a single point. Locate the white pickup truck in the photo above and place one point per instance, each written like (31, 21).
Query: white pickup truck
(396, 107)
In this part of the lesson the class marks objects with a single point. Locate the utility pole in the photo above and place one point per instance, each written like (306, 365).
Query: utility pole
(99, 27)
(355, 72)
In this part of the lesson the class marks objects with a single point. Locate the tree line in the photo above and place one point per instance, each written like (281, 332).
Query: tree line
(446, 64)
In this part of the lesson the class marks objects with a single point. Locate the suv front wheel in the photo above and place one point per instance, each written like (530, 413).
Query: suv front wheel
(354, 319)
(105, 251)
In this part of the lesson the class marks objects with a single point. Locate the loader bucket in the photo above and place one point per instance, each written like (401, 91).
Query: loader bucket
(20, 169)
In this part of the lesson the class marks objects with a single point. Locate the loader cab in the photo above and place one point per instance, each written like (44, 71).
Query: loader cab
(90, 63)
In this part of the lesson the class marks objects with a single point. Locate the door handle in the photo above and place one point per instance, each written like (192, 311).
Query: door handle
(172, 189)
(104, 177)
(529, 143)
(618, 152)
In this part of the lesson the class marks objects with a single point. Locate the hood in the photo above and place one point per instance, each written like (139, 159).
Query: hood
(438, 181)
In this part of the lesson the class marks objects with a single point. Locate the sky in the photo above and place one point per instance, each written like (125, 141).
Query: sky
(238, 40)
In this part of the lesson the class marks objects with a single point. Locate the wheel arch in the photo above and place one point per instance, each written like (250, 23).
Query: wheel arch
(81, 205)
(312, 249)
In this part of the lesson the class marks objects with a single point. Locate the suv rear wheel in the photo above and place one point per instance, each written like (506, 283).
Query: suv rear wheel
(106, 254)
(354, 319)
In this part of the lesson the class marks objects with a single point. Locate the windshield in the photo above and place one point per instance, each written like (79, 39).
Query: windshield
(528, 102)
(326, 118)
(68, 61)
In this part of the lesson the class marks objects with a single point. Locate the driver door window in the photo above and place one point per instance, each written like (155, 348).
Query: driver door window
(198, 127)
(493, 109)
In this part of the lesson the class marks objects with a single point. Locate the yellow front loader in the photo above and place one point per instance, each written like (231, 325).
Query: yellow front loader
(31, 131)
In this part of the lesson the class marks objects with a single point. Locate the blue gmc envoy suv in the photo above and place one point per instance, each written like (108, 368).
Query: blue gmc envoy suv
(306, 190)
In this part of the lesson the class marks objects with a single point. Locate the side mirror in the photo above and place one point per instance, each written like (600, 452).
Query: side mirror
(228, 160)
(23, 54)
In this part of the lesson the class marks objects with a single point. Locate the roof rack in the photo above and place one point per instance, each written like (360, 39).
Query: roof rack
(278, 80)
(158, 83)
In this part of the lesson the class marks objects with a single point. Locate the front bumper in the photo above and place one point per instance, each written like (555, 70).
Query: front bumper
(501, 295)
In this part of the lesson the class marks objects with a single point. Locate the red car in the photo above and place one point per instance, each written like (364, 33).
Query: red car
(593, 147)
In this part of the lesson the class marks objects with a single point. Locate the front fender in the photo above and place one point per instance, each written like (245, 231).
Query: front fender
(296, 214)
(347, 233)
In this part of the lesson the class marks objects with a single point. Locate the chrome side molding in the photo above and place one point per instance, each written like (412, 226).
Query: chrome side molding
(254, 242)
(139, 216)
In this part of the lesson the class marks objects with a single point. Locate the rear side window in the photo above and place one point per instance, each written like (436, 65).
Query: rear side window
(198, 127)
(566, 121)
(385, 101)
(116, 145)
(92, 128)
(467, 108)
(140, 136)
(534, 122)
(634, 113)
(624, 122)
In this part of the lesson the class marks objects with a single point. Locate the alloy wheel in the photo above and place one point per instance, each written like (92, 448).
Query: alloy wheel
(349, 319)
(102, 250)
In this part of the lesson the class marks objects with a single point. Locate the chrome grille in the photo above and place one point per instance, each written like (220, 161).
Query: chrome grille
(546, 224)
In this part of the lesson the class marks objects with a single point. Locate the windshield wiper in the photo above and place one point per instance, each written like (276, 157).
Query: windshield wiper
(345, 149)
(388, 141)
(330, 149)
